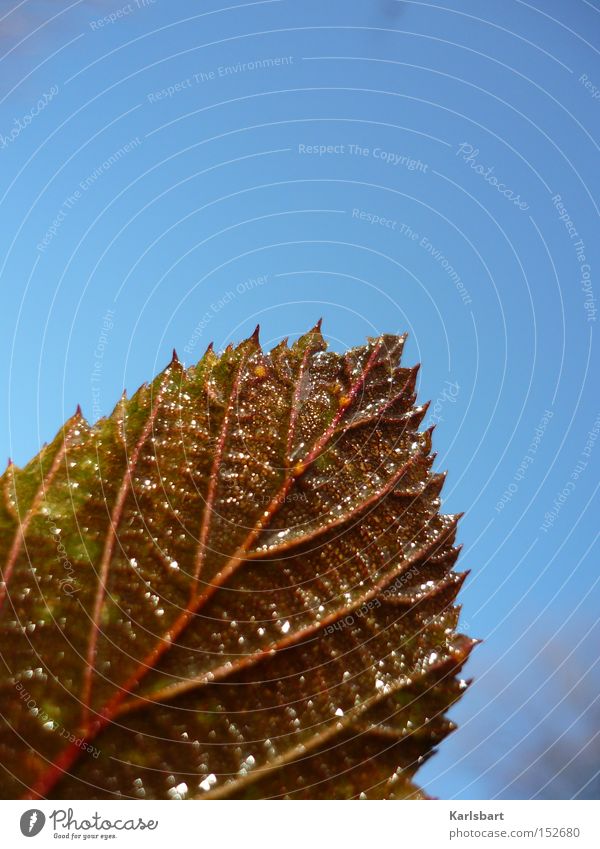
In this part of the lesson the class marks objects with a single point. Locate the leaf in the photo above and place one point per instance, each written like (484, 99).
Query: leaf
(236, 586)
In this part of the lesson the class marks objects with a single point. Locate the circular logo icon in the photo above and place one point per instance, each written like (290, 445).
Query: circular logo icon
(32, 822)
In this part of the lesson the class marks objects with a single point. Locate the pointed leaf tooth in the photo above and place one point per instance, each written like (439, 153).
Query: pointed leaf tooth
(313, 340)
(436, 483)
(281, 346)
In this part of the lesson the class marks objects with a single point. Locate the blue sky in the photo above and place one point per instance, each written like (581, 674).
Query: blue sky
(173, 173)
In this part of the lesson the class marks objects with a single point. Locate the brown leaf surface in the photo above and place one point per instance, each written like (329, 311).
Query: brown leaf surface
(238, 585)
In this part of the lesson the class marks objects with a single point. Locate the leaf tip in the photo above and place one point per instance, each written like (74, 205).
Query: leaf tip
(256, 335)
(174, 358)
(316, 331)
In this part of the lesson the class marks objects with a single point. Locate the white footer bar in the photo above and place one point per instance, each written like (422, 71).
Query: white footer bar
(303, 825)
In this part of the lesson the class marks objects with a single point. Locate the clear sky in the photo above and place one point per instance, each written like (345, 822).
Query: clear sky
(172, 173)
